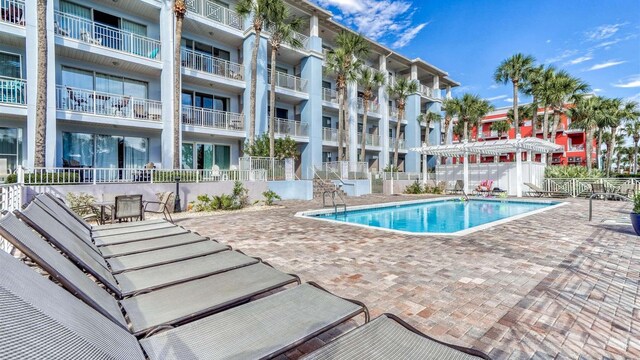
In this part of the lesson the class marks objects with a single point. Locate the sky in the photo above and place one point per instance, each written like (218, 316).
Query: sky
(597, 41)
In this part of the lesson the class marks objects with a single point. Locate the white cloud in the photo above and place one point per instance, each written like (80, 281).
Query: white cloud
(597, 90)
(496, 97)
(563, 55)
(580, 59)
(548, 41)
(494, 86)
(635, 98)
(382, 20)
(605, 65)
(629, 82)
(604, 32)
(509, 100)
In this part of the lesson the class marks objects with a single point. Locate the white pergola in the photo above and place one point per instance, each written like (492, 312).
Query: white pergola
(491, 148)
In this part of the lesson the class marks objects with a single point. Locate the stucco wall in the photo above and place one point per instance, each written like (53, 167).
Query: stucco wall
(293, 190)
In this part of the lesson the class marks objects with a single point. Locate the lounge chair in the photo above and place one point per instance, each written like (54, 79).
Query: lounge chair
(46, 319)
(536, 191)
(484, 188)
(388, 337)
(161, 206)
(458, 188)
(172, 305)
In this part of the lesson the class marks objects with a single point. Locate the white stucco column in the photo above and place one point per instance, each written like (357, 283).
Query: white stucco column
(166, 81)
(414, 72)
(448, 94)
(436, 86)
(465, 170)
(518, 170)
(383, 158)
(313, 26)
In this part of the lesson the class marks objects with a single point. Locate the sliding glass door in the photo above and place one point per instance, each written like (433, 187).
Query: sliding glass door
(204, 156)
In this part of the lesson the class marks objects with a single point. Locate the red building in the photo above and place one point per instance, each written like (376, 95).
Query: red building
(572, 140)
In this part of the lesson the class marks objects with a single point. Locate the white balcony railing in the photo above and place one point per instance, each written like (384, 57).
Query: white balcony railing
(94, 33)
(373, 105)
(393, 112)
(304, 39)
(392, 143)
(210, 118)
(13, 91)
(12, 12)
(291, 127)
(212, 11)
(290, 82)
(212, 65)
(488, 134)
(426, 91)
(370, 139)
(329, 134)
(579, 147)
(329, 95)
(113, 105)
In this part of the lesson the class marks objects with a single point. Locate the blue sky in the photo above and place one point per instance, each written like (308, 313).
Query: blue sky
(597, 41)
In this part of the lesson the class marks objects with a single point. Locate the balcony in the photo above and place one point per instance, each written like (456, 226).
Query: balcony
(560, 128)
(373, 106)
(215, 12)
(302, 38)
(290, 82)
(330, 134)
(370, 139)
(286, 127)
(12, 12)
(429, 92)
(92, 33)
(211, 65)
(13, 91)
(330, 95)
(392, 142)
(106, 104)
(393, 113)
(488, 134)
(210, 118)
(579, 148)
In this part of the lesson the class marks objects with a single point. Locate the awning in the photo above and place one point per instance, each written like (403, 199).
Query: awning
(492, 148)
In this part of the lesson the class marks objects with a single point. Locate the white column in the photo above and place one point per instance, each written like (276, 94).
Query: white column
(448, 95)
(465, 169)
(518, 172)
(313, 26)
(383, 160)
(424, 166)
(166, 81)
(436, 86)
(414, 72)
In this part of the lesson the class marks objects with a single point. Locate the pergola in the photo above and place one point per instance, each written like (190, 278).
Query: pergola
(491, 148)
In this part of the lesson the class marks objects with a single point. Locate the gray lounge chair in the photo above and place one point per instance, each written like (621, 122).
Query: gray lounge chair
(458, 188)
(170, 305)
(46, 319)
(388, 337)
(536, 191)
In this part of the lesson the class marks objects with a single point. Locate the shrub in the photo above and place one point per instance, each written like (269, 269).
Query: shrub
(81, 203)
(390, 168)
(415, 188)
(240, 195)
(237, 200)
(571, 171)
(636, 204)
(283, 148)
(270, 196)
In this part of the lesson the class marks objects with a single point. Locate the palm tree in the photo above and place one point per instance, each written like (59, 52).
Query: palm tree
(426, 119)
(524, 112)
(585, 115)
(615, 112)
(563, 88)
(539, 90)
(261, 11)
(632, 129)
(501, 127)
(400, 91)
(451, 108)
(472, 109)
(283, 30)
(370, 81)
(344, 63)
(514, 69)
(179, 10)
(530, 86)
(41, 96)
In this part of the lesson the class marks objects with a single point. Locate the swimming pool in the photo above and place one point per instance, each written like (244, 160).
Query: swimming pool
(448, 216)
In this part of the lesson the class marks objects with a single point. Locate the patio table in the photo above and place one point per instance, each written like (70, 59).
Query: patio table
(106, 204)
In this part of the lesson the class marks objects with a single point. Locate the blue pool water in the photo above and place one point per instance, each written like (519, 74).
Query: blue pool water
(446, 216)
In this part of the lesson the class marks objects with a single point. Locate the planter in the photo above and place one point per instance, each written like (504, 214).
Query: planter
(635, 221)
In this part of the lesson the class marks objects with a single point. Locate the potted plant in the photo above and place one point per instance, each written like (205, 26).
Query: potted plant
(635, 214)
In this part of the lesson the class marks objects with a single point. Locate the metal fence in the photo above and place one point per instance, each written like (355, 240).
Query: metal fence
(10, 199)
(274, 169)
(582, 187)
(13, 91)
(207, 63)
(343, 170)
(215, 12)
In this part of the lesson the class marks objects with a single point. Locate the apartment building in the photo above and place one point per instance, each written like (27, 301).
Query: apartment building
(110, 88)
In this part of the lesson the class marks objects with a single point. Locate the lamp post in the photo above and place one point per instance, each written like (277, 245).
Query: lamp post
(176, 206)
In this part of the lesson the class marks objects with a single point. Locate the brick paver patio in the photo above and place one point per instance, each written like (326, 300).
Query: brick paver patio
(551, 285)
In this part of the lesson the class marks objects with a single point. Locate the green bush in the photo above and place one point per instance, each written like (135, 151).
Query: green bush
(81, 203)
(240, 195)
(237, 200)
(636, 204)
(570, 171)
(415, 188)
(390, 168)
(46, 178)
(283, 148)
(270, 196)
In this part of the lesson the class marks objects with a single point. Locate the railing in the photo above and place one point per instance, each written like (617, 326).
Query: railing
(346, 170)
(426, 91)
(13, 91)
(329, 95)
(392, 142)
(114, 105)
(291, 127)
(209, 64)
(370, 139)
(373, 105)
(210, 118)
(93, 33)
(274, 169)
(10, 197)
(560, 127)
(304, 39)
(398, 175)
(220, 14)
(576, 148)
(12, 12)
(582, 187)
(393, 112)
(289, 82)
(488, 134)
(329, 134)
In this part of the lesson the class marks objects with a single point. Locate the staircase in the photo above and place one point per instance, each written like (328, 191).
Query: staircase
(321, 185)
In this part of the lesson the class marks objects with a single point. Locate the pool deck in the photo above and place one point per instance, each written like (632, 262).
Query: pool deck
(551, 285)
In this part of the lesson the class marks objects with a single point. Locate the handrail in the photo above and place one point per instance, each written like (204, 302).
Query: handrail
(606, 194)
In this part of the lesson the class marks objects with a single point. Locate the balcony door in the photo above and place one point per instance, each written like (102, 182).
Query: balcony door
(10, 65)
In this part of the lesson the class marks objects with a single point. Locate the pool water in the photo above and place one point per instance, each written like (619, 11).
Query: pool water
(445, 216)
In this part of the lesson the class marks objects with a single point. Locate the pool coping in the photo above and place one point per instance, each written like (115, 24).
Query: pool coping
(308, 214)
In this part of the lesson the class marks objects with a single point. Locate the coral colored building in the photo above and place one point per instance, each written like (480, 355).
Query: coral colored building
(572, 140)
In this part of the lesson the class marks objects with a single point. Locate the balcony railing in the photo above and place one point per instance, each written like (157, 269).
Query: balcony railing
(212, 11)
(304, 39)
(13, 91)
(488, 134)
(393, 112)
(426, 91)
(370, 139)
(329, 134)
(290, 82)
(212, 65)
(291, 127)
(560, 127)
(12, 12)
(373, 105)
(100, 103)
(210, 118)
(579, 147)
(330, 95)
(392, 142)
(93, 33)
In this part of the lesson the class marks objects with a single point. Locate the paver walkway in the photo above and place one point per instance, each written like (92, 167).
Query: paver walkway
(551, 285)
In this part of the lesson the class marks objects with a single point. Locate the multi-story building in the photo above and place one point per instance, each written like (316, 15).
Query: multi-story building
(572, 140)
(110, 87)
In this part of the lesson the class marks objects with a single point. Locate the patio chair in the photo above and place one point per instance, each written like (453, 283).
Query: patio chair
(128, 208)
(458, 188)
(139, 111)
(78, 102)
(628, 190)
(161, 206)
(263, 328)
(485, 187)
(599, 190)
(388, 337)
(537, 191)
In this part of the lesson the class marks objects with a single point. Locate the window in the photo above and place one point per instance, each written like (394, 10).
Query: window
(204, 156)
(187, 156)
(326, 84)
(10, 65)
(282, 113)
(223, 156)
(77, 150)
(221, 54)
(326, 156)
(221, 103)
(281, 69)
(104, 151)
(11, 146)
(326, 121)
(89, 80)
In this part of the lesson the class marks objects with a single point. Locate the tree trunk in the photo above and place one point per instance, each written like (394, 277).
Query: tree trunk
(545, 124)
(534, 117)
(426, 134)
(272, 104)
(41, 97)
(397, 143)
(365, 102)
(347, 132)
(588, 147)
(465, 133)
(254, 85)
(447, 123)
(552, 133)
(515, 108)
(635, 154)
(177, 89)
(610, 148)
(598, 148)
(340, 123)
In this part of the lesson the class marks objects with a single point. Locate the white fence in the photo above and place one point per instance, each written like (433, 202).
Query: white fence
(583, 187)
(101, 103)
(344, 170)
(272, 168)
(289, 81)
(210, 118)
(215, 12)
(11, 198)
(13, 90)
(291, 127)
(12, 12)
(207, 63)
(502, 174)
